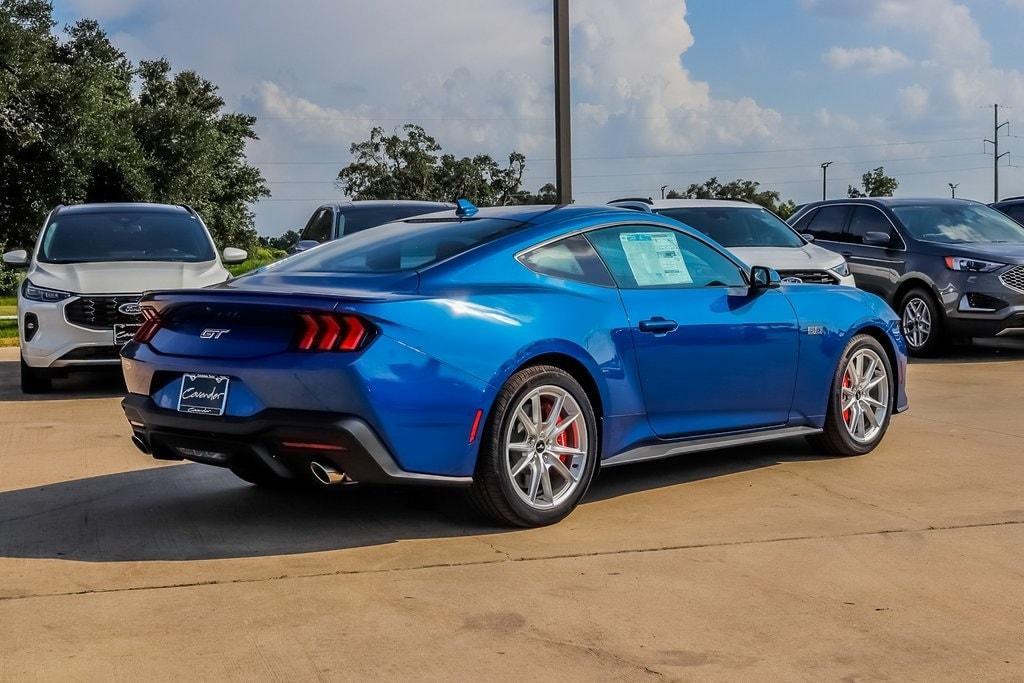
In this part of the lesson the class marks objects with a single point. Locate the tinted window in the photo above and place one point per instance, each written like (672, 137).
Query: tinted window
(736, 227)
(572, 258)
(319, 228)
(867, 219)
(649, 256)
(805, 220)
(1016, 212)
(126, 236)
(958, 223)
(828, 223)
(398, 246)
(356, 220)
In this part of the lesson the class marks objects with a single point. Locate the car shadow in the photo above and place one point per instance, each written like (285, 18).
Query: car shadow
(979, 351)
(102, 382)
(195, 512)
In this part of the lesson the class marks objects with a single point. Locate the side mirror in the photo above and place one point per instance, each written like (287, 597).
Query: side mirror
(807, 236)
(877, 239)
(230, 255)
(763, 277)
(304, 245)
(16, 259)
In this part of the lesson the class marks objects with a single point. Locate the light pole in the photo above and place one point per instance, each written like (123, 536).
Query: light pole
(563, 140)
(824, 179)
(952, 189)
(663, 188)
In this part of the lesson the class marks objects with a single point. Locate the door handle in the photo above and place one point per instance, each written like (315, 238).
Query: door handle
(658, 325)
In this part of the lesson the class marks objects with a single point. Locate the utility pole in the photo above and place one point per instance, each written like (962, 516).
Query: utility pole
(996, 156)
(563, 140)
(663, 188)
(824, 179)
(952, 189)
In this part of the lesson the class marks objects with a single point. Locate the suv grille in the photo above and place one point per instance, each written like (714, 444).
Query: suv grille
(100, 312)
(818, 277)
(1014, 278)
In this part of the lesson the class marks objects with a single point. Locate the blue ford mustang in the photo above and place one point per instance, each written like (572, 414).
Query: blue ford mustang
(512, 351)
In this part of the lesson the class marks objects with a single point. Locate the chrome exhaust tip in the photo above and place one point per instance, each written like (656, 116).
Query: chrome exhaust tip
(141, 445)
(327, 475)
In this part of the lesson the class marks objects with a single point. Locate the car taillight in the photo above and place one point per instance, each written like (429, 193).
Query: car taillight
(149, 327)
(332, 332)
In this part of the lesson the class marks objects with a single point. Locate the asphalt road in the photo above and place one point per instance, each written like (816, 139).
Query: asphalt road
(767, 561)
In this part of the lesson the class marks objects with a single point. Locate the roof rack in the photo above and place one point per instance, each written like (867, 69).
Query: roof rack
(645, 200)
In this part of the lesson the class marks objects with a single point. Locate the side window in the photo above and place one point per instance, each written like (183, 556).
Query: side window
(867, 219)
(357, 220)
(801, 225)
(572, 258)
(828, 223)
(319, 226)
(649, 256)
(1016, 212)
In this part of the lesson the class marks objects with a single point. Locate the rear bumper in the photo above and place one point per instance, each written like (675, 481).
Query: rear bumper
(287, 441)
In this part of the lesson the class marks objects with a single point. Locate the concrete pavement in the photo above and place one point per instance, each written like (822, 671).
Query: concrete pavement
(762, 561)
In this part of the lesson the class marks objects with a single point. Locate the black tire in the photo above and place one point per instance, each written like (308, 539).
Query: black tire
(936, 340)
(492, 491)
(836, 438)
(34, 380)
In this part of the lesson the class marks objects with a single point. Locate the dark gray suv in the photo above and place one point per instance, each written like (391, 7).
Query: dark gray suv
(951, 268)
(331, 221)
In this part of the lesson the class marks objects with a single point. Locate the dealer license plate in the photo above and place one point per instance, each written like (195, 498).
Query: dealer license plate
(203, 394)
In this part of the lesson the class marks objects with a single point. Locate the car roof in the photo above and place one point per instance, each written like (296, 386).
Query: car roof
(112, 207)
(656, 204)
(370, 203)
(895, 201)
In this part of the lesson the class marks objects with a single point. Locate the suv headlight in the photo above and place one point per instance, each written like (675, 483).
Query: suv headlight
(971, 265)
(33, 293)
(842, 270)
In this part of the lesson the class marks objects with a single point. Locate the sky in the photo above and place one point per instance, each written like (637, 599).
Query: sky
(665, 92)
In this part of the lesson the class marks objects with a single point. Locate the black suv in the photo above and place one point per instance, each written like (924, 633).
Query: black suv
(951, 268)
(331, 221)
(1012, 207)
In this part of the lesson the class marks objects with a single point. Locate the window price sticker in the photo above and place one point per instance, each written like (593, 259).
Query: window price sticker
(655, 258)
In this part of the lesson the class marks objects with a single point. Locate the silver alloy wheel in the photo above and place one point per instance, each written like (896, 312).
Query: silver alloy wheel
(864, 396)
(546, 447)
(917, 322)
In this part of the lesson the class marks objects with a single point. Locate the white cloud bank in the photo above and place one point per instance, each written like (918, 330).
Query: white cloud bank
(874, 60)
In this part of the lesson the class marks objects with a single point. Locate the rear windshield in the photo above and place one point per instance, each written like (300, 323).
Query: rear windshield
(401, 246)
(958, 223)
(737, 227)
(125, 236)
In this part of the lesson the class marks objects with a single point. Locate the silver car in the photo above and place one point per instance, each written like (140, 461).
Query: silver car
(755, 235)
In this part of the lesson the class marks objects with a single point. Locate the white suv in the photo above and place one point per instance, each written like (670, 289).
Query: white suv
(79, 304)
(755, 235)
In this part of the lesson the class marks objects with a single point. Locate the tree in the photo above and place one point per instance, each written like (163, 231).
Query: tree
(411, 165)
(284, 243)
(876, 184)
(740, 189)
(80, 123)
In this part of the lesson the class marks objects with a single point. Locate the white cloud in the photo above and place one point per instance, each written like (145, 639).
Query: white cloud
(874, 60)
(914, 100)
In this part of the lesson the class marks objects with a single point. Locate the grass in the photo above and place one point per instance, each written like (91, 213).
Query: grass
(8, 328)
(258, 258)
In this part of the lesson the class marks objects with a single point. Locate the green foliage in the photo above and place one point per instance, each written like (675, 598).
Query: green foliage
(258, 257)
(410, 165)
(876, 184)
(283, 243)
(80, 123)
(746, 190)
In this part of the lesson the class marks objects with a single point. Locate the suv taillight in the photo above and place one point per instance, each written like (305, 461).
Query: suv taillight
(150, 326)
(332, 332)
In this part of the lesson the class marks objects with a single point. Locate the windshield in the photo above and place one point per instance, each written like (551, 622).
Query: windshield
(408, 245)
(958, 223)
(126, 236)
(737, 227)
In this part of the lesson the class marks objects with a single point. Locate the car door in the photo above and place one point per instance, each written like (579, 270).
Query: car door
(874, 250)
(712, 355)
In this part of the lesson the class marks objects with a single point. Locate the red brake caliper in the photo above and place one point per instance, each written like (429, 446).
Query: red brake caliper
(564, 439)
(846, 385)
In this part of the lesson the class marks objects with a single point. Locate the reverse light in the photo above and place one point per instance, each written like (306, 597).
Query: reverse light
(150, 326)
(34, 293)
(971, 265)
(332, 332)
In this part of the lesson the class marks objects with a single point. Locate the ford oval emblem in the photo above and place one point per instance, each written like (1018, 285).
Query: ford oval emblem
(130, 308)
(792, 281)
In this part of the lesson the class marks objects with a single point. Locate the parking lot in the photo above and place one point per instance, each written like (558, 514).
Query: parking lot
(760, 561)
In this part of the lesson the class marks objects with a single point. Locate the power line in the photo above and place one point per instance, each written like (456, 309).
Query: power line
(996, 156)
